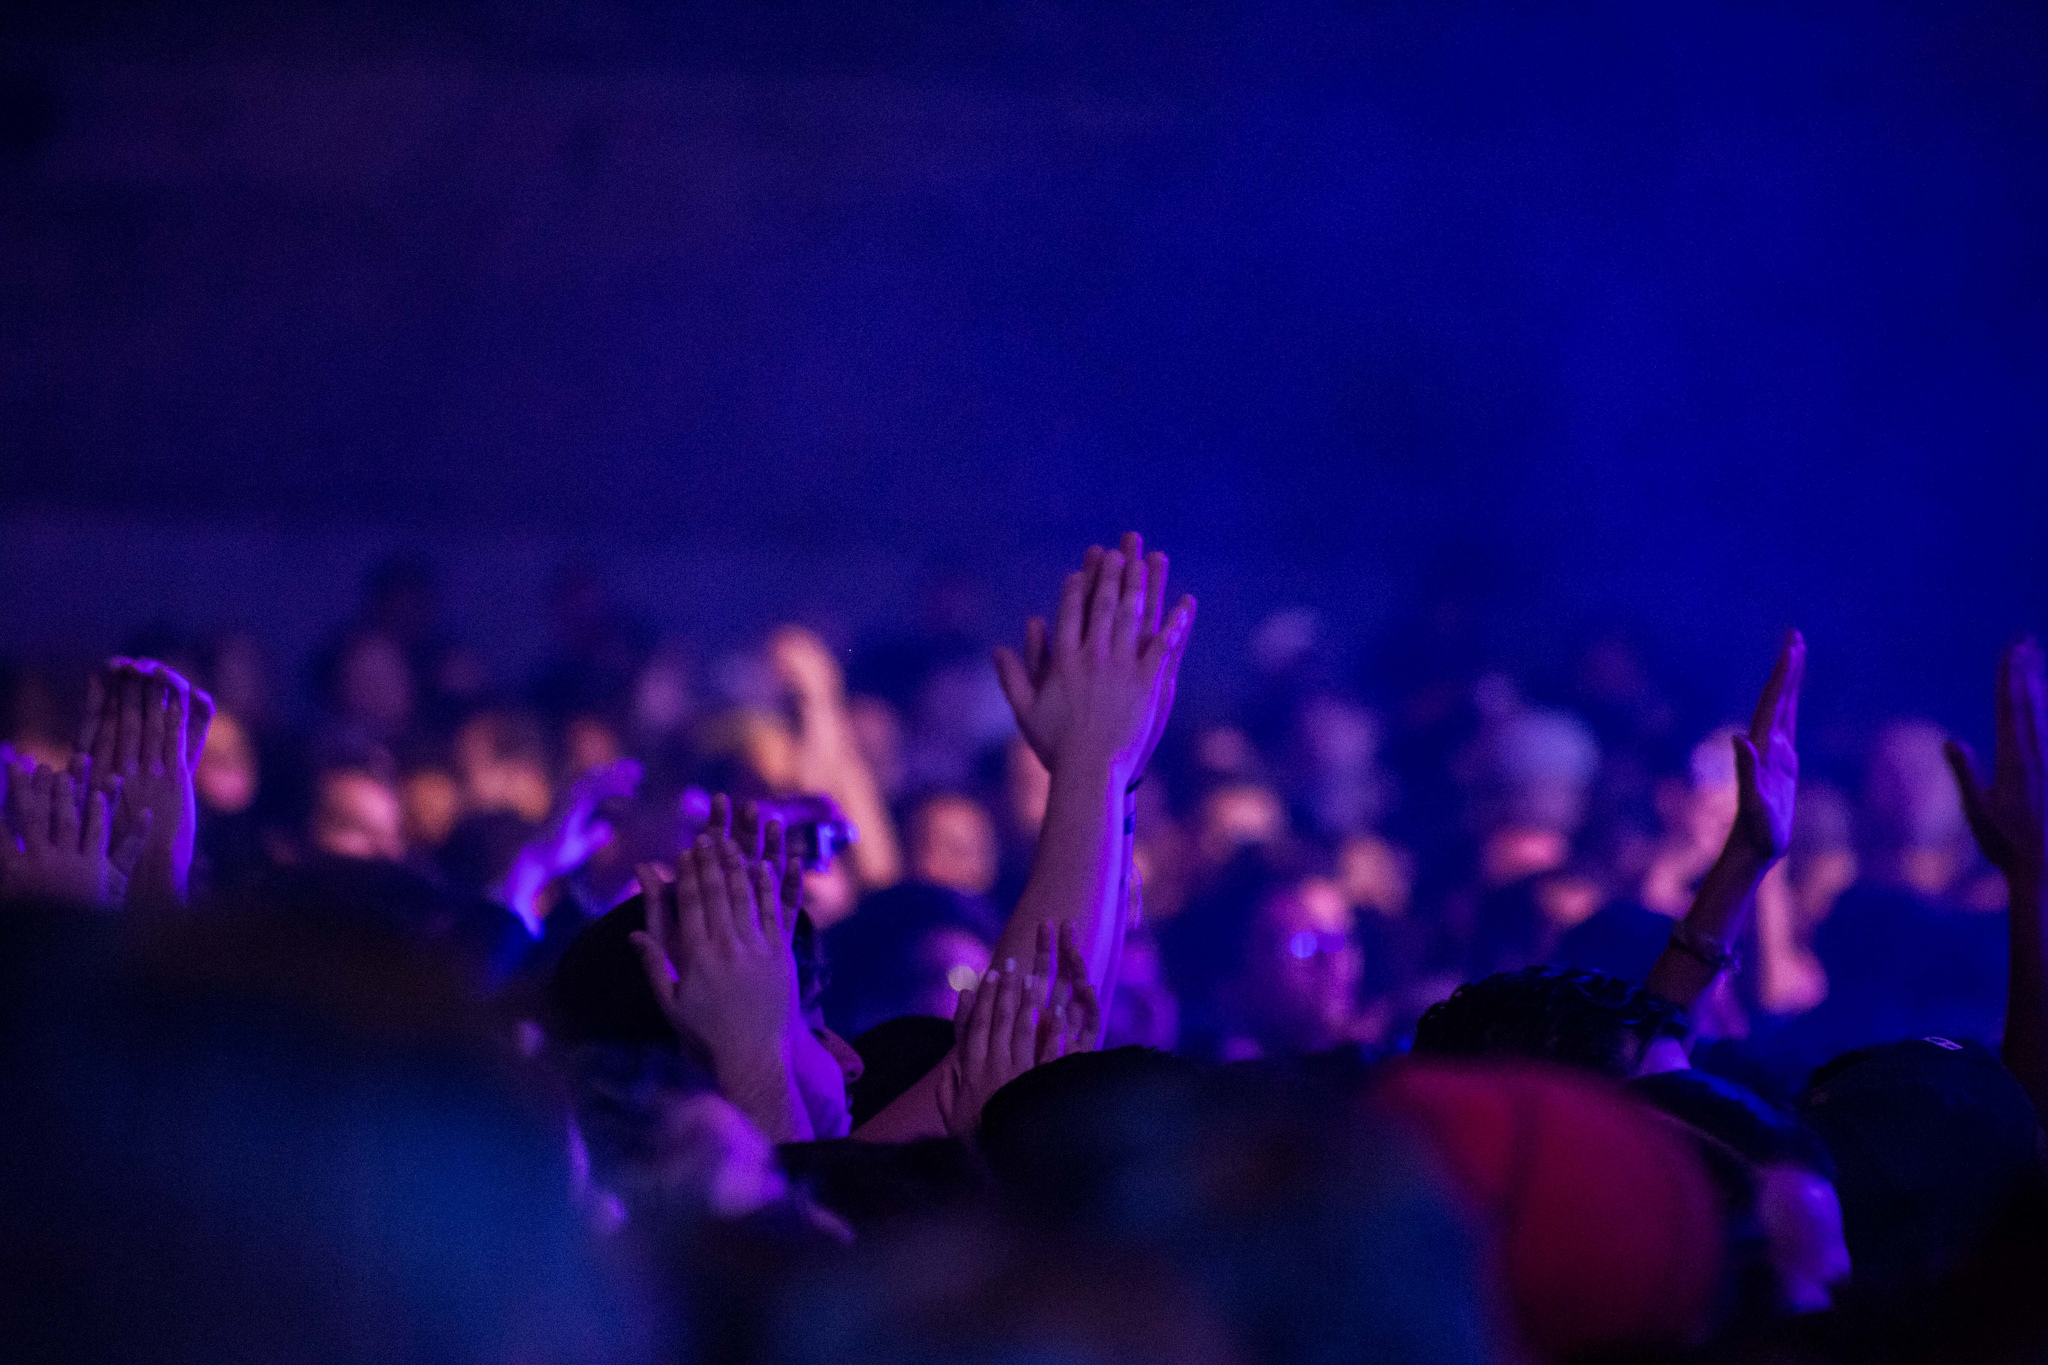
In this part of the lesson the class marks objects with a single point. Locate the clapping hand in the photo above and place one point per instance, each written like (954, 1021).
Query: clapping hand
(1013, 1021)
(145, 727)
(995, 1040)
(1073, 1021)
(716, 951)
(1100, 684)
(58, 845)
(2009, 817)
(1767, 760)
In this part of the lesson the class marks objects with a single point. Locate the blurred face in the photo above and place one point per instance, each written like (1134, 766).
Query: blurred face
(431, 803)
(953, 843)
(589, 744)
(662, 702)
(358, 817)
(493, 781)
(829, 894)
(1305, 969)
(1236, 817)
(1374, 875)
(376, 685)
(1225, 751)
(226, 778)
(1802, 1218)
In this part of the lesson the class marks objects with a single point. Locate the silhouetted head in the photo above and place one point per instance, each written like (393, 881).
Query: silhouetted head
(1584, 1019)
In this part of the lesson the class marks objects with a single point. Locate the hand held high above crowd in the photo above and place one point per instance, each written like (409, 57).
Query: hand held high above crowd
(2009, 815)
(1097, 687)
(1767, 760)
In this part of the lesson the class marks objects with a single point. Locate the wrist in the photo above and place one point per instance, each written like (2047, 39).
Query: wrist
(738, 1062)
(1742, 859)
(1090, 766)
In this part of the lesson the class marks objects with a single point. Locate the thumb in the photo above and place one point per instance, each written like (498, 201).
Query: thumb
(1962, 761)
(660, 971)
(1745, 763)
(1015, 681)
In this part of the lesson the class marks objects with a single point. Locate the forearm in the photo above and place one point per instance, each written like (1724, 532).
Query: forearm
(833, 765)
(912, 1115)
(2026, 1005)
(1789, 980)
(763, 1087)
(1125, 903)
(1714, 921)
(1077, 873)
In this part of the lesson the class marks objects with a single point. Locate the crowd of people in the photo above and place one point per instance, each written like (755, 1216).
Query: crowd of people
(911, 1003)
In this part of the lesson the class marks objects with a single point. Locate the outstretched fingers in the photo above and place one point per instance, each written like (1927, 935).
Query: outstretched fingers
(63, 813)
(95, 698)
(169, 752)
(981, 1018)
(20, 806)
(1130, 607)
(692, 917)
(767, 923)
(128, 743)
(1155, 596)
(1102, 614)
(1069, 621)
(1167, 647)
(1043, 971)
(1037, 658)
(97, 825)
(1777, 707)
(1014, 675)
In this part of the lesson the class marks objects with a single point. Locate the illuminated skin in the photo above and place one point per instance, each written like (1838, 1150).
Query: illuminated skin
(226, 776)
(1237, 816)
(953, 843)
(358, 817)
(1301, 986)
(1802, 1219)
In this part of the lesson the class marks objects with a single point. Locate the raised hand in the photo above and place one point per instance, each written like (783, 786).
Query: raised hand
(145, 727)
(804, 666)
(58, 846)
(1701, 947)
(716, 952)
(995, 1040)
(1767, 759)
(2009, 817)
(1092, 688)
(570, 838)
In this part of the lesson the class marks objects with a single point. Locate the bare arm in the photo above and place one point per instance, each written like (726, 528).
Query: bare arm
(2010, 820)
(1767, 775)
(1090, 697)
(831, 761)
